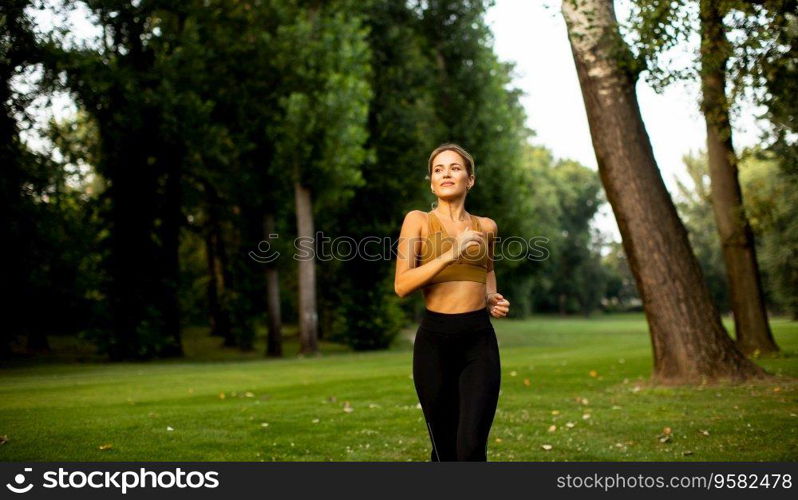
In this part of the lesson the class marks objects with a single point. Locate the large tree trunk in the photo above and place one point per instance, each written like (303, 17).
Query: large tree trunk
(274, 335)
(132, 188)
(689, 342)
(736, 236)
(308, 317)
(132, 252)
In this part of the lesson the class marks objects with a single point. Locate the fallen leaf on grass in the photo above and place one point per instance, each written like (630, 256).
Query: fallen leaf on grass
(169, 428)
(570, 425)
(106, 446)
(513, 373)
(348, 407)
(498, 440)
(704, 432)
(586, 416)
(3, 439)
(264, 424)
(527, 382)
(666, 435)
(221, 395)
(555, 412)
(546, 447)
(687, 453)
(593, 373)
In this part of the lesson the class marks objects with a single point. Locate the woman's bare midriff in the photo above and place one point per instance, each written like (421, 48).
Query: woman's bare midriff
(452, 297)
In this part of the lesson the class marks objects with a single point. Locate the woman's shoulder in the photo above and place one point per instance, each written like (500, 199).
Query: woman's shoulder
(416, 215)
(415, 218)
(487, 224)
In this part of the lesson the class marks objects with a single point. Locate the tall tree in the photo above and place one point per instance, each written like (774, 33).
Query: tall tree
(323, 60)
(401, 120)
(737, 238)
(689, 341)
(238, 39)
(139, 85)
(725, 69)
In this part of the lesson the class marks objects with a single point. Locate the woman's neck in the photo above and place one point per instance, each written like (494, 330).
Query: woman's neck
(454, 209)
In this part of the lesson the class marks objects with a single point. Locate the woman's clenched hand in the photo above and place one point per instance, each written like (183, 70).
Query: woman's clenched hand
(498, 305)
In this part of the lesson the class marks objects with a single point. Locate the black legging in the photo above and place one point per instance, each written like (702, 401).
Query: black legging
(457, 374)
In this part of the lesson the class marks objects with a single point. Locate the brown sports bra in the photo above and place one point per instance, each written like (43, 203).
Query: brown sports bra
(472, 264)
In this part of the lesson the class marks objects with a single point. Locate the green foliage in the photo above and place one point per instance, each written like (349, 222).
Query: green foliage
(401, 120)
(777, 72)
(356, 324)
(571, 279)
(621, 290)
(772, 205)
(694, 204)
(655, 29)
(322, 57)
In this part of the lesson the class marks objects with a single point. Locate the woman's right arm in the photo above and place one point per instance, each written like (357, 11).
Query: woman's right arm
(408, 277)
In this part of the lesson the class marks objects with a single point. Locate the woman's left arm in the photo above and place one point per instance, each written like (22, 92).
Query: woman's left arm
(497, 305)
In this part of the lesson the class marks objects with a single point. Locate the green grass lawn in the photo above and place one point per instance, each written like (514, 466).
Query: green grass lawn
(574, 385)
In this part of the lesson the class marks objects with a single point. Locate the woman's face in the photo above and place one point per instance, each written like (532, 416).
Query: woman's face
(449, 175)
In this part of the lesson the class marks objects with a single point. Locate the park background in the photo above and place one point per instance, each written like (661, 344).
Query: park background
(140, 327)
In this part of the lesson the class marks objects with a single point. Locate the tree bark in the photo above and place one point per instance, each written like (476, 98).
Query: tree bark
(308, 317)
(274, 335)
(690, 344)
(737, 238)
